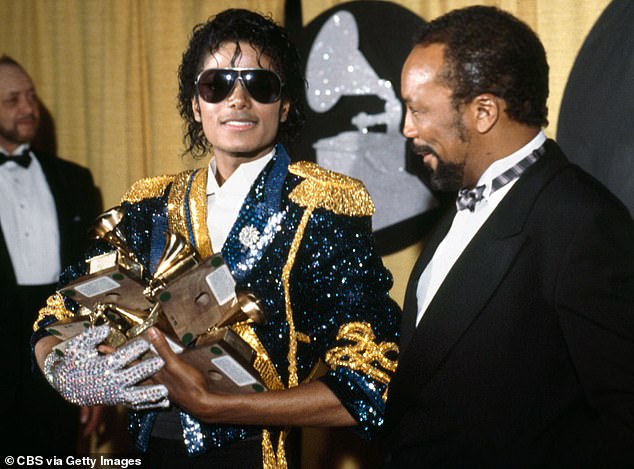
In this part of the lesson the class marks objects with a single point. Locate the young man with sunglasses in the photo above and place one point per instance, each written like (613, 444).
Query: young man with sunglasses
(295, 235)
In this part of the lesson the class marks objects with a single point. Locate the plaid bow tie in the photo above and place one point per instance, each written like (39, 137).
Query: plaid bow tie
(468, 198)
(23, 159)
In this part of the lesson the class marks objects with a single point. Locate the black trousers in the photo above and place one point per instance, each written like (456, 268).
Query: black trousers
(36, 419)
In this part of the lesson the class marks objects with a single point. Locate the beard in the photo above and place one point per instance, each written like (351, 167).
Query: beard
(447, 177)
(15, 136)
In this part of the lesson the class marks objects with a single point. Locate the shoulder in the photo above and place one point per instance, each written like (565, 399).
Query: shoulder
(325, 189)
(571, 201)
(578, 190)
(61, 165)
(152, 187)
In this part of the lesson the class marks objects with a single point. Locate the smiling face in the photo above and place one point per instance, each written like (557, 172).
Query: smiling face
(240, 128)
(438, 131)
(19, 108)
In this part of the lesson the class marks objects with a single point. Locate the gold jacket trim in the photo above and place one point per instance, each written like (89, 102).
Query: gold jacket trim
(263, 363)
(332, 191)
(55, 307)
(176, 219)
(198, 213)
(363, 354)
(147, 188)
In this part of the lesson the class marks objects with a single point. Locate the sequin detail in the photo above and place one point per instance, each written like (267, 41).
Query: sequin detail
(255, 242)
(85, 377)
(335, 278)
(262, 362)
(336, 192)
(364, 354)
(286, 273)
(272, 459)
(147, 188)
(177, 206)
(249, 236)
(54, 307)
(198, 213)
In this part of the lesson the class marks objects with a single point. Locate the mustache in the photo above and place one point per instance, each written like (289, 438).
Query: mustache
(28, 118)
(422, 149)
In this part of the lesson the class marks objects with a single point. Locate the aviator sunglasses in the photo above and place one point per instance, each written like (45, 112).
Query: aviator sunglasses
(215, 84)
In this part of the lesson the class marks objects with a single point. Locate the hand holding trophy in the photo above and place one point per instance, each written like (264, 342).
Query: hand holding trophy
(193, 301)
(85, 377)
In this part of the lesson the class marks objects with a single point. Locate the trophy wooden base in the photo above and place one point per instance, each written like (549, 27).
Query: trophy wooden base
(226, 361)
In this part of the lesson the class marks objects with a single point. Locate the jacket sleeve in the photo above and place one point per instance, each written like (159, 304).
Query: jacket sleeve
(343, 287)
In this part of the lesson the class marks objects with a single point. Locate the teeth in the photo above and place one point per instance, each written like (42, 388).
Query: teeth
(239, 123)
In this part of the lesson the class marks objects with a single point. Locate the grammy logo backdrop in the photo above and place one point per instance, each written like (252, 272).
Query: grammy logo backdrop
(353, 54)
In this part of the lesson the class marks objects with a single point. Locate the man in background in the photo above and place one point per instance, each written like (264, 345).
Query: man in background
(517, 345)
(46, 207)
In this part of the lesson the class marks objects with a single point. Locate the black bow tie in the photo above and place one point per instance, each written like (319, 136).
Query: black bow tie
(23, 159)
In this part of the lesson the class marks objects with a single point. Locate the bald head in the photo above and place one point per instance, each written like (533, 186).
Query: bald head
(19, 106)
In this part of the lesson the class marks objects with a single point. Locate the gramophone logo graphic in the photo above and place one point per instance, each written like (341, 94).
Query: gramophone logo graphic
(357, 105)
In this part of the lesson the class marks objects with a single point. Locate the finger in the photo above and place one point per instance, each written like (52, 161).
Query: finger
(160, 344)
(89, 339)
(127, 353)
(162, 404)
(91, 418)
(142, 370)
(84, 415)
(106, 349)
(145, 395)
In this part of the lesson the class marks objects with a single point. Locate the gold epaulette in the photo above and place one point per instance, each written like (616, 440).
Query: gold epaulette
(147, 188)
(322, 188)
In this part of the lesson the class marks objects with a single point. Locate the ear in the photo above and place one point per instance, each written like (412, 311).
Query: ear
(486, 110)
(196, 108)
(284, 110)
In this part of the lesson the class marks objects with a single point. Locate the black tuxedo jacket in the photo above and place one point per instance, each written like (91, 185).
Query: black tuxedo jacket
(525, 356)
(33, 407)
(78, 202)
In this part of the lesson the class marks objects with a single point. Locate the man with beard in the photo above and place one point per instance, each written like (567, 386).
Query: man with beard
(517, 345)
(47, 204)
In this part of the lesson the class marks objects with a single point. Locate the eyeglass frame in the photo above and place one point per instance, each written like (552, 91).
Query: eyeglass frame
(240, 71)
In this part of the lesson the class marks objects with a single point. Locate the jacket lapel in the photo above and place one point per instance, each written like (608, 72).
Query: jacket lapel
(259, 217)
(61, 206)
(410, 305)
(469, 284)
(7, 275)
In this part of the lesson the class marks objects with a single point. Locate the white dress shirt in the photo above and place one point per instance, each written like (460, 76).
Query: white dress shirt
(28, 218)
(466, 224)
(224, 202)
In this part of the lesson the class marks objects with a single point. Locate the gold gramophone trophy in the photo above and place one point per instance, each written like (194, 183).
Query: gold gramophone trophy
(115, 277)
(192, 301)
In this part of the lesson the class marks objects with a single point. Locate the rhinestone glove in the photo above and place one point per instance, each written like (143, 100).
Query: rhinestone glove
(85, 377)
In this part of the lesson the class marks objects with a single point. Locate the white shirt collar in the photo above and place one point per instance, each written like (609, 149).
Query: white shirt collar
(499, 166)
(240, 182)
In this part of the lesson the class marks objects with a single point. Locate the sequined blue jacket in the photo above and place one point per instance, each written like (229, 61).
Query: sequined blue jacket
(313, 267)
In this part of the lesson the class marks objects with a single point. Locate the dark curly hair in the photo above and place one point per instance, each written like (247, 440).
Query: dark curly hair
(264, 35)
(488, 50)
(6, 60)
